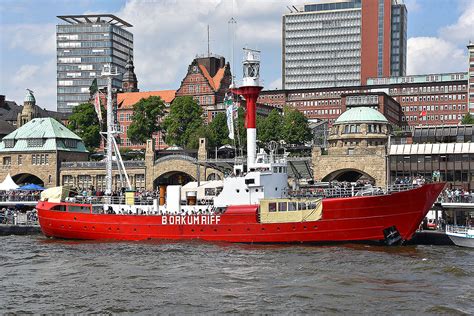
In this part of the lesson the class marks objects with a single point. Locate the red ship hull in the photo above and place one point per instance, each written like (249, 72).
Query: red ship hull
(343, 219)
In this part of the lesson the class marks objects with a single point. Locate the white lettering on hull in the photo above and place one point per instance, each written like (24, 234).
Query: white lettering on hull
(190, 220)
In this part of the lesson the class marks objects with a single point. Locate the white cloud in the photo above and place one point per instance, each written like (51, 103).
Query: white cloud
(463, 30)
(275, 84)
(169, 34)
(412, 6)
(434, 55)
(37, 39)
(445, 53)
(39, 78)
(26, 72)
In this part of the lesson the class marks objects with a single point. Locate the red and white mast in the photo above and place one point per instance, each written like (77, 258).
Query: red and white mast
(250, 90)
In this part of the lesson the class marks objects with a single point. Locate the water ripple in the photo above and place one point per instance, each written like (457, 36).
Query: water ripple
(54, 276)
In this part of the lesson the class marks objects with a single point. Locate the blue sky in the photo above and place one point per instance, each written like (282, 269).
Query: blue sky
(170, 33)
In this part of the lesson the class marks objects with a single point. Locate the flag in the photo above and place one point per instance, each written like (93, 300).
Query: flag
(94, 87)
(230, 116)
(97, 107)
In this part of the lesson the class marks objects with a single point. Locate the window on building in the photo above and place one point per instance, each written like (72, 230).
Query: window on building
(35, 142)
(9, 143)
(7, 161)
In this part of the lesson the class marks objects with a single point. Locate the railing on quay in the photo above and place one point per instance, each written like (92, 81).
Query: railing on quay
(19, 198)
(101, 164)
(15, 217)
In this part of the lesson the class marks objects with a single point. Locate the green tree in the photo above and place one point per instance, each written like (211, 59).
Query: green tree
(184, 122)
(146, 114)
(270, 127)
(240, 134)
(467, 119)
(295, 128)
(85, 123)
(218, 131)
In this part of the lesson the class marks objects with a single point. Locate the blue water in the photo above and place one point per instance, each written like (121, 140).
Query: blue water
(40, 275)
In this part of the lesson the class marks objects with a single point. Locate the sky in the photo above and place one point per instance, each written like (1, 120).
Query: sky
(168, 34)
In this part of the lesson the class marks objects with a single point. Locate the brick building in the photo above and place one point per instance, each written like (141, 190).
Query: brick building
(470, 73)
(125, 102)
(207, 81)
(434, 99)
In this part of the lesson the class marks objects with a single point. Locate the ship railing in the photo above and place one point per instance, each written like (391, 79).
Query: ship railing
(105, 199)
(340, 192)
(457, 229)
(401, 187)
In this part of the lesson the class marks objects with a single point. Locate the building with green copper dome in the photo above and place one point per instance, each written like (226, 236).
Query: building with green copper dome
(33, 153)
(356, 148)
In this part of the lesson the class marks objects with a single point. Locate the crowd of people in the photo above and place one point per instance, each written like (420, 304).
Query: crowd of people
(456, 196)
(414, 181)
(14, 216)
(22, 196)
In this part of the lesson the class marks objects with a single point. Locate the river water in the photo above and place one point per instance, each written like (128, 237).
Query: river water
(39, 275)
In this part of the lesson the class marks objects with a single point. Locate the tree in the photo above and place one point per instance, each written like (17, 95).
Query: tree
(467, 119)
(85, 123)
(218, 131)
(183, 122)
(240, 131)
(146, 114)
(270, 127)
(295, 128)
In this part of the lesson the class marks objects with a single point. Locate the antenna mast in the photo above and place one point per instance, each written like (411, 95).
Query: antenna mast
(208, 44)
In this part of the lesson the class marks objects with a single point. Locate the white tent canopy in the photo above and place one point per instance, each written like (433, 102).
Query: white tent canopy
(8, 184)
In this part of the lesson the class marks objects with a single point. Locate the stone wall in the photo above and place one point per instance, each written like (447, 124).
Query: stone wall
(374, 165)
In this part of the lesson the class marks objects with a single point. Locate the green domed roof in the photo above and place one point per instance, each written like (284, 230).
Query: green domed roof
(29, 96)
(361, 114)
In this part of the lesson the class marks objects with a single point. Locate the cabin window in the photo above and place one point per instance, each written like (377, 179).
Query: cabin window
(272, 207)
(78, 209)
(302, 206)
(97, 209)
(292, 206)
(60, 208)
(282, 207)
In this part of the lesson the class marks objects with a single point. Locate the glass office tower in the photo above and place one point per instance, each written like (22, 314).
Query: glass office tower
(336, 43)
(84, 44)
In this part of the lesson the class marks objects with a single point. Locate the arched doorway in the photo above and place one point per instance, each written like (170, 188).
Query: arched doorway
(173, 178)
(26, 178)
(213, 176)
(348, 175)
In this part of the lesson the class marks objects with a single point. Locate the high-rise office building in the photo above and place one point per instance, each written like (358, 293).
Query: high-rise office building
(84, 44)
(470, 79)
(343, 42)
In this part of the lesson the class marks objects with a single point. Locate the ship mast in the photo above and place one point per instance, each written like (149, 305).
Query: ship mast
(109, 72)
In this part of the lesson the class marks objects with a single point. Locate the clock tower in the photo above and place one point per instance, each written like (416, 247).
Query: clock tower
(129, 81)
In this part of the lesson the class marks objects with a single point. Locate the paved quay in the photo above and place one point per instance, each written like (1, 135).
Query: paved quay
(8, 229)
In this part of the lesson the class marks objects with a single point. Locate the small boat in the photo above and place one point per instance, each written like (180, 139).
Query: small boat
(462, 236)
